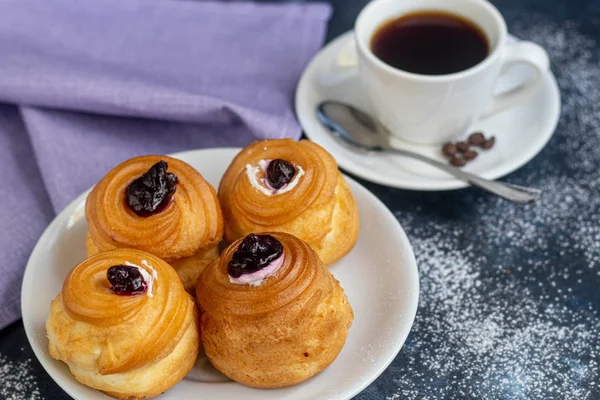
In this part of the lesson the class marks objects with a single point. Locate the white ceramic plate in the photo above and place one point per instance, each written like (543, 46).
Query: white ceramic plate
(521, 132)
(379, 276)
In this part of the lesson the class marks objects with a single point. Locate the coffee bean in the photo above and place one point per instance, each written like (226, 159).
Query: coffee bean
(470, 155)
(458, 161)
(449, 150)
(488, 144)
(477, 139)
(462, 147)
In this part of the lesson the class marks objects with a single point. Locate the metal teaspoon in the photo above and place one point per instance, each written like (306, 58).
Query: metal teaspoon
(360, 131)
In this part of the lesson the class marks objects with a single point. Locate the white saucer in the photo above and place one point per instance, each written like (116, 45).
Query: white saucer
(379, 276)
(521, 132)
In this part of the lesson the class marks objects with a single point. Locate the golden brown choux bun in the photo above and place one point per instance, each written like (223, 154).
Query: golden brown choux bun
(185, 233)
(130, 346)
(277, 333)
(319, 209)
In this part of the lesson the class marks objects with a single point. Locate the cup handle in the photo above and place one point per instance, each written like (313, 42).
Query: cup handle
(520, 53)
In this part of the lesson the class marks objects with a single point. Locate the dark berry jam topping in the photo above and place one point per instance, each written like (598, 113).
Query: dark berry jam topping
(254, 253)
(280, 173)
(151, 192)
(126, 280)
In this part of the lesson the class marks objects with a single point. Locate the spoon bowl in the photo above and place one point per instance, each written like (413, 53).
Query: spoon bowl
(353, 126)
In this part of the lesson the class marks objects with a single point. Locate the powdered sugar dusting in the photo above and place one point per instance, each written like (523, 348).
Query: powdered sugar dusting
(510, 302)
(17, 381)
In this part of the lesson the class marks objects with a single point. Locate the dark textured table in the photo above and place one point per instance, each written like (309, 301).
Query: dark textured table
(510, 295)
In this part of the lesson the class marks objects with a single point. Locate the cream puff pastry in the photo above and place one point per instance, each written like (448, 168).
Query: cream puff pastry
(160, 205)
(272, 314)
(124, 324)
(294, 187)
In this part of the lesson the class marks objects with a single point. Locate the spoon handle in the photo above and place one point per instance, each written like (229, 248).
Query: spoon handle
(515, 193)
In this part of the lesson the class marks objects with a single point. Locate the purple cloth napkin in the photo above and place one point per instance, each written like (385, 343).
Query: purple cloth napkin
(88, 84)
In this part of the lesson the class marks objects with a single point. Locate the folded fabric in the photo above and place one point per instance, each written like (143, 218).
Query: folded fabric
(88, 84)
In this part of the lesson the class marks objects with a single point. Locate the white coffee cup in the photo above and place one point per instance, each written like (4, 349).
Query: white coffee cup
(433, 109)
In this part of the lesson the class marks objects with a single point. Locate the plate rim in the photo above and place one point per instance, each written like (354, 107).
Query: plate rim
(70, 208)
(301, 102)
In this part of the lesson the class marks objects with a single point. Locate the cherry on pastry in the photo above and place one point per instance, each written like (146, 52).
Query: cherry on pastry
(280, 173)
(126, 280)
(151, 192)
(254, 253)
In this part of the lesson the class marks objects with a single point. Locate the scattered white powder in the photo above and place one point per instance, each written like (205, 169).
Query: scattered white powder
(499, 320)
(17, 381)
(515, 316)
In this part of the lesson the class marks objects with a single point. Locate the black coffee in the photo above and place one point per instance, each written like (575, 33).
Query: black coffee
(430, 43)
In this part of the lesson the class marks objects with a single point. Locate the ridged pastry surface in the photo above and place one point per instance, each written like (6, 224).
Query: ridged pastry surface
(191, 221)
(188, 268)
(320, 209)
(128, 346)
(280, 333)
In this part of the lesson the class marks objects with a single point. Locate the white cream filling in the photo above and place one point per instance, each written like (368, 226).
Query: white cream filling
(252, 174)
(262, 184)
(258, 277)
(148, 278)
